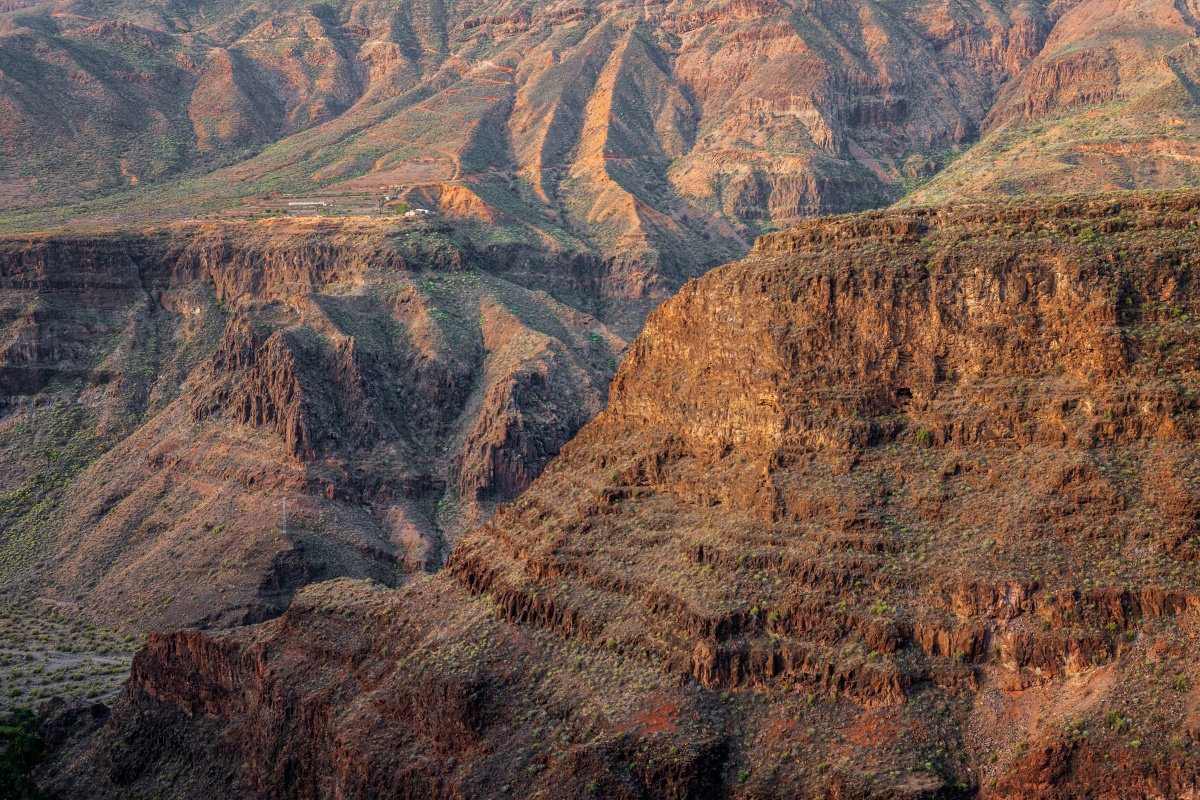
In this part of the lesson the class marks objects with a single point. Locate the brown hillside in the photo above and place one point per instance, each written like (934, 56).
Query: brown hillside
(902, 505)
(663, 137)
(200, 419)
(1111, 102)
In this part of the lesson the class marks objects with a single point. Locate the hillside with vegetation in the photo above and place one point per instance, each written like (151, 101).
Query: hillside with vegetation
(1109, 103)
(663, 137)
(902, 505)
(369, 370)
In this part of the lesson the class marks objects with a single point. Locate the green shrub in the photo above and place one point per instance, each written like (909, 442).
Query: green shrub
(22, 752)
(1117, 722)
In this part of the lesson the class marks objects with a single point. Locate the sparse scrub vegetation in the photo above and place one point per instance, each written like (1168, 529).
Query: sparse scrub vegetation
(1117, 722)
(45, 652)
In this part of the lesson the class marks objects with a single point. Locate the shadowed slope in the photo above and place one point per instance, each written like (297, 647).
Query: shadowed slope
(201, 419)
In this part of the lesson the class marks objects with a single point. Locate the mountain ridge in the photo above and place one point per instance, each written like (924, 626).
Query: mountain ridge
(202, 418)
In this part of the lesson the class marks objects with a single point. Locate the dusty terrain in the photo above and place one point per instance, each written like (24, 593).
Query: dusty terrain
(902, 505)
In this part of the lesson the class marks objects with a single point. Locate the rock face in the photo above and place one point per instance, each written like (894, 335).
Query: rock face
(902, 505)
(199, 420)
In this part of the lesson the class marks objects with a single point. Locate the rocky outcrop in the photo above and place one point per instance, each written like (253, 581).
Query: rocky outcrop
(268, 394)
(525, 417)
(1086, 78)
(292, 740)
(506, 448)
(455, 202)
(891, 508)
(258, 382)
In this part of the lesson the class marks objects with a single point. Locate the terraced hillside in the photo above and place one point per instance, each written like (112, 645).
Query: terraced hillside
(902, 505)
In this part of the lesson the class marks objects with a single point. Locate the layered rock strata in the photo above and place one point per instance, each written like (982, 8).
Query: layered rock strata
(199, 420)
(902, 505)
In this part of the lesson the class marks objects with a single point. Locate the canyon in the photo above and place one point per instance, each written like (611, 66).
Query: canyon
(200, 419)
(901, 505)
(643, 458)
(658, 139)
(661, 137)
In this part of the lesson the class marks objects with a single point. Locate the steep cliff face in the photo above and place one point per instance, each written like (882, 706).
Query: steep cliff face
(202, 419)
(537, 399)
(902, 505)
